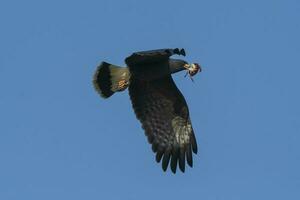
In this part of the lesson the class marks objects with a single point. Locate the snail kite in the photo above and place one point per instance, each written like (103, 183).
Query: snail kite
(157, 102)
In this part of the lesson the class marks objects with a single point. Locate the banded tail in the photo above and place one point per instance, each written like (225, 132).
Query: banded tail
(109, 79)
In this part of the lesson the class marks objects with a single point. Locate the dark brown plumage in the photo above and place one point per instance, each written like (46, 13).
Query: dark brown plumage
(160, 106)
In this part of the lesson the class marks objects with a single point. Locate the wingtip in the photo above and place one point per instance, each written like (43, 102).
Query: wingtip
(164, 168)
(182, 160)
(182, 52)
(154, 147)
(189, 156)
(158, 156)
(165, 161)
(194, 144)
(174, 159)
(179, 51)
(176, 51)
(173, 170)
(182, 168)
(195, 149)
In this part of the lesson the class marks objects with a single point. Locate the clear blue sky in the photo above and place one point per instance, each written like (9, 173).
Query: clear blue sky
(59, 140)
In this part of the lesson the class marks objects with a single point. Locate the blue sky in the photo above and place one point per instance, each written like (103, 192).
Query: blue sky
(59, 140)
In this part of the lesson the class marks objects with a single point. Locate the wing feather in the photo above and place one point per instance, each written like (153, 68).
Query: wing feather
(161, 108)
(152, 56)
(163, 112)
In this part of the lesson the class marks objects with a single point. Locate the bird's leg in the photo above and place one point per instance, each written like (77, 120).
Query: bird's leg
(192, 79)
(186, 66)
(187, 72)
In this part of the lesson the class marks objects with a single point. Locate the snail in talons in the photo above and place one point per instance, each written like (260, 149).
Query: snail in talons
(192, 70)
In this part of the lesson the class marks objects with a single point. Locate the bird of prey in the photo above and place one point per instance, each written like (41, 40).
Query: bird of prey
(157, 102)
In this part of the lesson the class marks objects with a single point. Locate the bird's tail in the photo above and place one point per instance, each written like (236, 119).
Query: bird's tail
(109, 79)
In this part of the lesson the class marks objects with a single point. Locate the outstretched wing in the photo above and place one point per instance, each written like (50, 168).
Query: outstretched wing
(164, 114)
(157, 55)
(149, 65)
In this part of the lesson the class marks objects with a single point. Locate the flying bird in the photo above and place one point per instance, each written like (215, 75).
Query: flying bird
(157, 102)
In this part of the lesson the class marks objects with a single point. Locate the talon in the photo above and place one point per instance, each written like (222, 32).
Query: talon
(186, 74)
(187, 66)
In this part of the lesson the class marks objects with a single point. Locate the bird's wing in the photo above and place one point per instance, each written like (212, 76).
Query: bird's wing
(148, 65)
(164, 114)
(152, 56)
